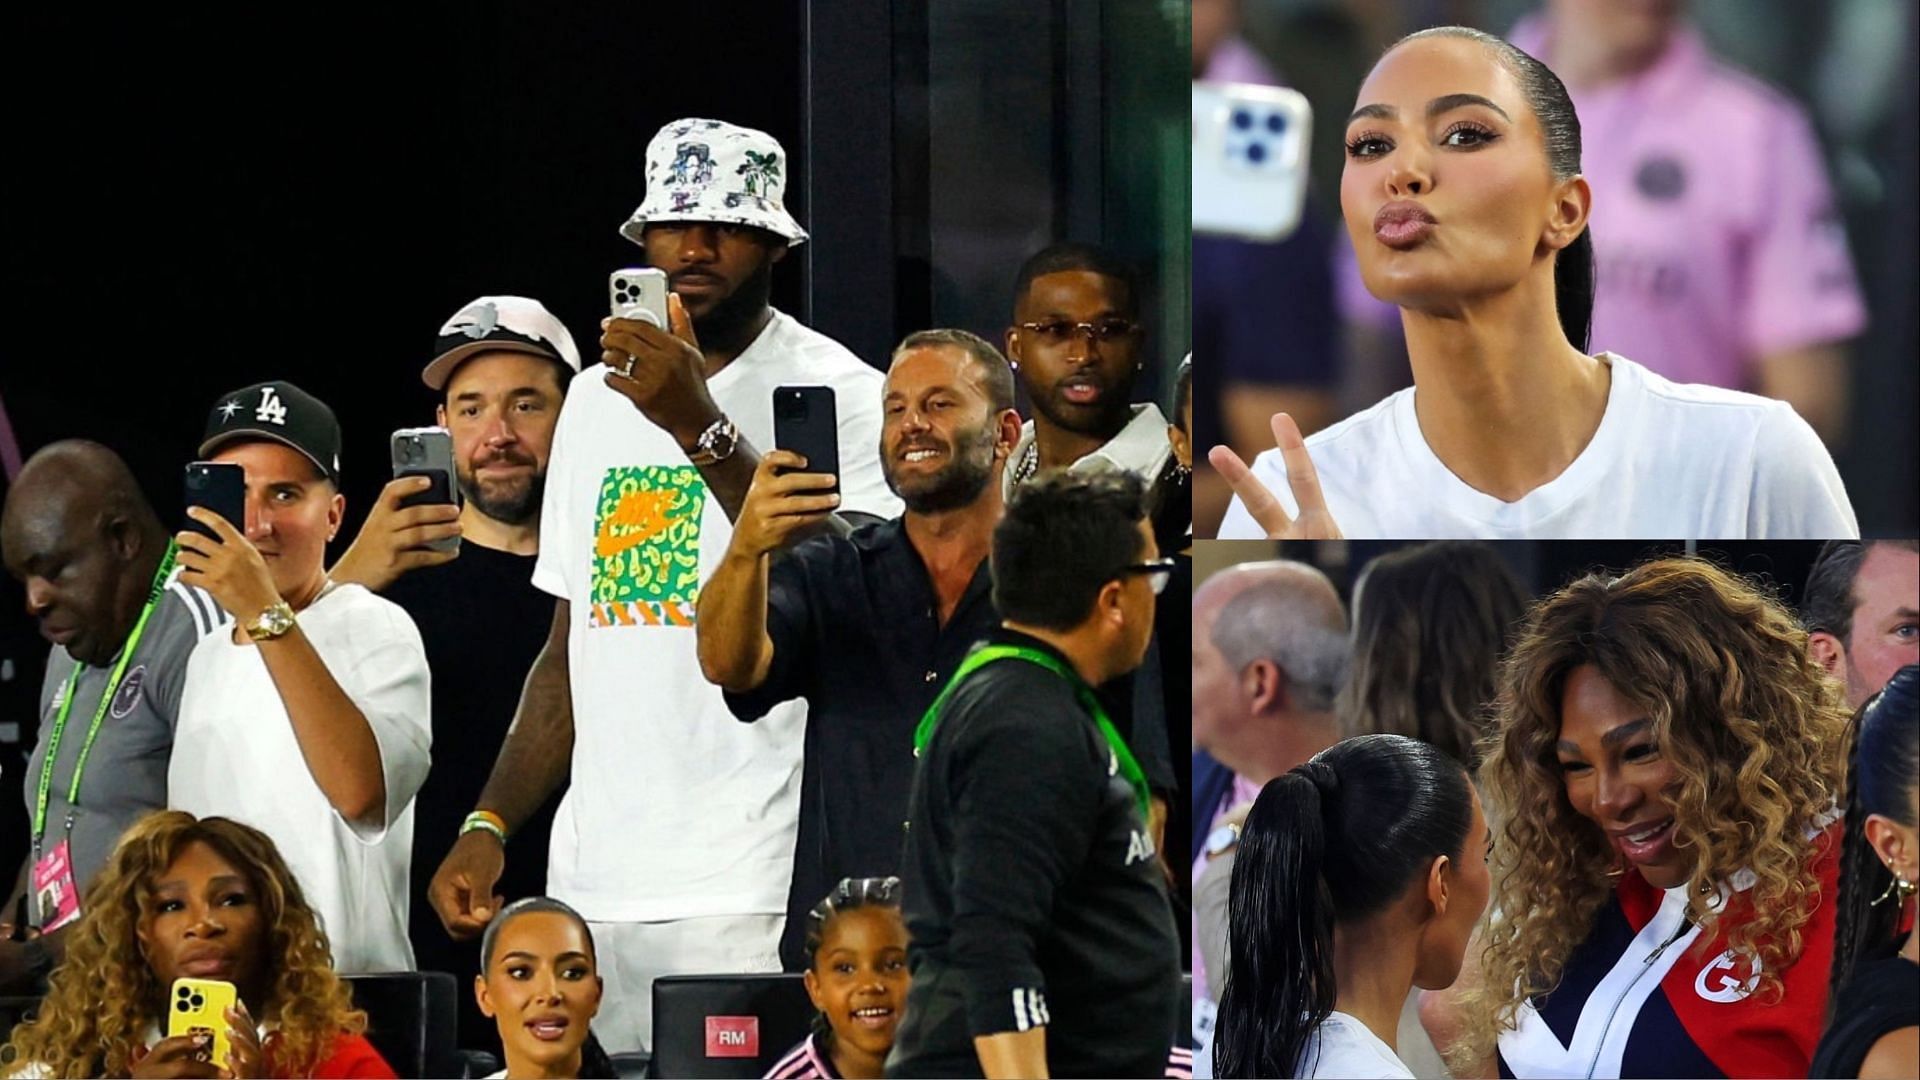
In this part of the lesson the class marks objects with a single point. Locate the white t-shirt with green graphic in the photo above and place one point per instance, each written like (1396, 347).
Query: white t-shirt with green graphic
(675, 809)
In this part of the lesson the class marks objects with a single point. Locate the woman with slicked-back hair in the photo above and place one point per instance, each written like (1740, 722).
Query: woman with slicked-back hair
(1873, 1027)
(1359, 875)
(1463, 197)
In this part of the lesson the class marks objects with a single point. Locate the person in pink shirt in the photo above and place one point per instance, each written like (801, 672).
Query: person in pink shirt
(1220, 54)
(1719, 253)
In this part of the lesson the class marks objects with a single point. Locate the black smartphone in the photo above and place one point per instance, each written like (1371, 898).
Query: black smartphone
(804, 422)
(220, 487)
(428, 452)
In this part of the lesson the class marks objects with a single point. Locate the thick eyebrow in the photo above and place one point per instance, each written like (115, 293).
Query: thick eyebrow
(572, 954)
(217, 881)
(938, 388)
(1612, 738)
(516, 392)
(1441, 104)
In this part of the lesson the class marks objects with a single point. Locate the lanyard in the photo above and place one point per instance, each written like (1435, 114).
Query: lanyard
(99, 713)
(987, 654)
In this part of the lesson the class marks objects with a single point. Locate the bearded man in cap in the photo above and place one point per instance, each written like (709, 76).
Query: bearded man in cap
(676, 837)
(500, 365)
(309, 721)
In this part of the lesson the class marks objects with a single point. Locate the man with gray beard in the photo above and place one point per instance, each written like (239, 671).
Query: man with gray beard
(501, 365)
(866, 627)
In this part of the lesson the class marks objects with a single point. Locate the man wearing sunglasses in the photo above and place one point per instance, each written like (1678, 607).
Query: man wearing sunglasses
(1077, 346)
(1042, 940)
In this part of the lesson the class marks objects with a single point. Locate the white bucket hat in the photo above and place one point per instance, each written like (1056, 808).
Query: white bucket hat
(709, 170)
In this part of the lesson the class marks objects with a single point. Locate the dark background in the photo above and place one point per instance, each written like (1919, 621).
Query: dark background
(201, 201)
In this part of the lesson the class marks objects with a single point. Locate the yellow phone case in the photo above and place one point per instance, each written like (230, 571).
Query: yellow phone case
(200, 1005)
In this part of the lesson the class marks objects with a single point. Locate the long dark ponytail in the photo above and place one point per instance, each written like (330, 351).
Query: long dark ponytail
(1573, 276)
(1883, 765)
(1337, 839)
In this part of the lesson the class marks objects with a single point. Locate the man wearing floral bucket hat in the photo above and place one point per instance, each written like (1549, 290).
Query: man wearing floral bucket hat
(676, 837)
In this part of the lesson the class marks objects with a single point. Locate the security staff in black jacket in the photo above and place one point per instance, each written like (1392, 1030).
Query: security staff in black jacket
(1043, 943)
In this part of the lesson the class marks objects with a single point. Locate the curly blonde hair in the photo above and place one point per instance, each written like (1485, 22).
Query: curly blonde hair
(1751, 725)
(104, 998)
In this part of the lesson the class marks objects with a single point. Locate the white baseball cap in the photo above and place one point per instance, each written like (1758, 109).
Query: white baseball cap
(495, 324)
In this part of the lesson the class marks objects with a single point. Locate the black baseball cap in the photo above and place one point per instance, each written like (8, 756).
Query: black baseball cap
(279, 412)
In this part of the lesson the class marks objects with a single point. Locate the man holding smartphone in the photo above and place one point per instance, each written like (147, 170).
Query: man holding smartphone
(866, 628)
(676, 837)
(501, 365)
(98, 571)
(309, 721)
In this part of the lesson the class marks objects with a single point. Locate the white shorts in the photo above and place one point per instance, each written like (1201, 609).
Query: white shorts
(633, 954)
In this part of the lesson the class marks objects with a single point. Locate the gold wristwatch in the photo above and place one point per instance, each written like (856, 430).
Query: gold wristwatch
(272, 622)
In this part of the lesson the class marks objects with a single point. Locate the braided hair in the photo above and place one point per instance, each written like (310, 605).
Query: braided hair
(850, 895)
(1883, 759)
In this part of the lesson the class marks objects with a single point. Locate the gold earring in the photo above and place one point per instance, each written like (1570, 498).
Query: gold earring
(1900, 886)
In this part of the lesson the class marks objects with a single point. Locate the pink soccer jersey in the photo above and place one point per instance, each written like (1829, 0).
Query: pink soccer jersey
(1715, 233)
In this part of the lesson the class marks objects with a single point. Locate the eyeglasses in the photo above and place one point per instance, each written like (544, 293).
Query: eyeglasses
(1157, 572)
(1060, 331)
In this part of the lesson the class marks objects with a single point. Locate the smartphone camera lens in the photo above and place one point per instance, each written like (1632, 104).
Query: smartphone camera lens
(791, 406)
(181, 1006)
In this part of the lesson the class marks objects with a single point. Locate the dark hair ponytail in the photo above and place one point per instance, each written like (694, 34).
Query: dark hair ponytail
(1560, 127)
(1573, 289)
(1883, 765)
(1337, 839)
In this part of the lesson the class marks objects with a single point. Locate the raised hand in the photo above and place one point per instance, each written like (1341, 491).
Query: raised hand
(780, 504)
(662, 373)
(230, 567)
(394, 539)
(1314, 522)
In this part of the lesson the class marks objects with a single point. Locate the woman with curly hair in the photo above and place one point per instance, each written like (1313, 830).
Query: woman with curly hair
(1875, 1013)
(1664, 766)
(203, 898)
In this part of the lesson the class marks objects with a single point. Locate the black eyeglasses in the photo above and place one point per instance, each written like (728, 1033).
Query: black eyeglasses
(1060, 331)
(1157, 572)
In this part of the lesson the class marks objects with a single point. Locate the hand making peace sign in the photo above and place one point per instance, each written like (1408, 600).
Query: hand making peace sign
(1314, 522)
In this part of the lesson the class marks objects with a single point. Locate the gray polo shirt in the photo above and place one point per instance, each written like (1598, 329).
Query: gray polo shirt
(126, 775)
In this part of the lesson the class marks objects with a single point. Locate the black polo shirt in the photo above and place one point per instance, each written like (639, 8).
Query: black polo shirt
(856, 632)
(1032, 894)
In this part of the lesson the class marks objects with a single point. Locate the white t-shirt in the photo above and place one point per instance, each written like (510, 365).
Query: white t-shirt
(675, 809)
(1669, 461)
(1343, 1047)
(1140, 448)
(235, 755)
